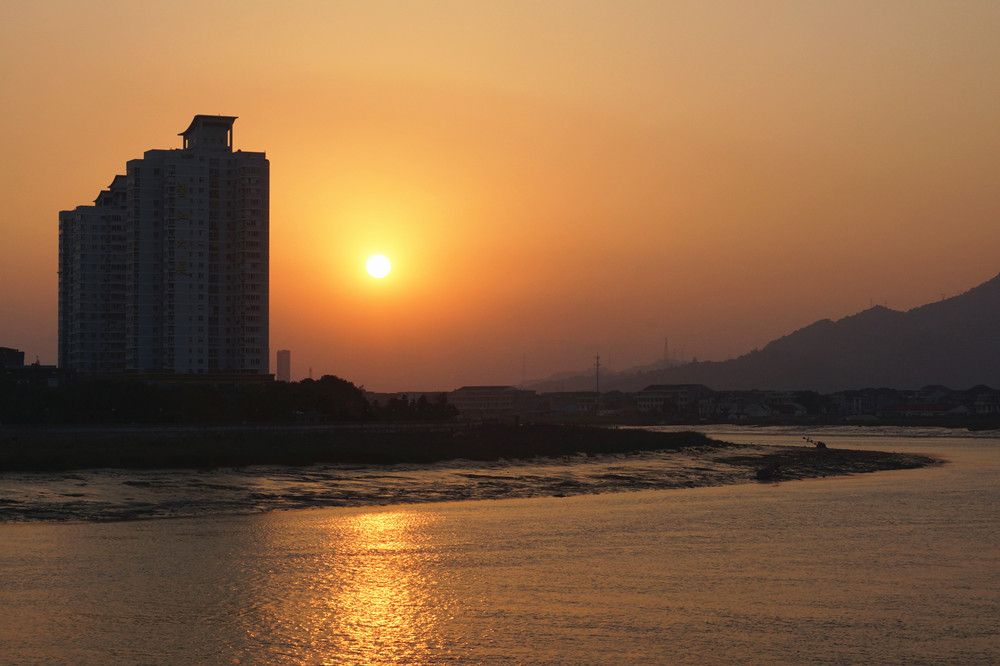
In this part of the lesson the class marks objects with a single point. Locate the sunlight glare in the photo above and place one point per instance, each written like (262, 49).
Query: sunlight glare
(378, 266)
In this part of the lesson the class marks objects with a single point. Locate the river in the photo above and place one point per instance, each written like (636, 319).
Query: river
(892, 567)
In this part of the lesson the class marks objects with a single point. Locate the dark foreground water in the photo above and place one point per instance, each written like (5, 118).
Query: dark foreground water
(893, 567)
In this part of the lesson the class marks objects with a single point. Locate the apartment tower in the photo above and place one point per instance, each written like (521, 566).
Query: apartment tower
(167, 273)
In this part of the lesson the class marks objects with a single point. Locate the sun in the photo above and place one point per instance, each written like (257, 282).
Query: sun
(378, 266)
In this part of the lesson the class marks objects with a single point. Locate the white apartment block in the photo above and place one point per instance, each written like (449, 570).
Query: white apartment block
(167, 273)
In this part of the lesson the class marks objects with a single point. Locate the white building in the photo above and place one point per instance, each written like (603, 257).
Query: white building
(167, 273)
(680, 398)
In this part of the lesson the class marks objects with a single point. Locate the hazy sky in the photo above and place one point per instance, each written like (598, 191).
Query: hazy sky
(551, 180)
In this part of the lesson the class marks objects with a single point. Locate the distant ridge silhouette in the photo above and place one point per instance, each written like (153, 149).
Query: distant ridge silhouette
(952, 342)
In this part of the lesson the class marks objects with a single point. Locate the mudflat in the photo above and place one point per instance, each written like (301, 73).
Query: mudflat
(206, 447)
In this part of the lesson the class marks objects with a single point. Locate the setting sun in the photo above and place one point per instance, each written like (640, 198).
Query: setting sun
(536, 205)
(378, 266)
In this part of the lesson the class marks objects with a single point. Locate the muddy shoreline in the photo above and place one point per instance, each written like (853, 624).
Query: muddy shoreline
(382, 469)
(60, 450)
(49, 450)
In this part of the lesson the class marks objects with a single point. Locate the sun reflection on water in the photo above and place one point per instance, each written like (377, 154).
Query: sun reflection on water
(365, 594)
(385, 604)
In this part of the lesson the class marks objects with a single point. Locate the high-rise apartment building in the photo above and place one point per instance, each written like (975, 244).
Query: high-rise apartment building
(167, 273)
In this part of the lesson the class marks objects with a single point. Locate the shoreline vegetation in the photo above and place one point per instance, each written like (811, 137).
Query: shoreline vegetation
(201, 448)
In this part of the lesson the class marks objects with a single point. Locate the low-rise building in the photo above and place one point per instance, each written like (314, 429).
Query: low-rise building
(11, 358)
(491, 402)
(678, 398)
(569, 403)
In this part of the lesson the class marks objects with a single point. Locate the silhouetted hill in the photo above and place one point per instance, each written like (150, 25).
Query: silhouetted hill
(951, 342)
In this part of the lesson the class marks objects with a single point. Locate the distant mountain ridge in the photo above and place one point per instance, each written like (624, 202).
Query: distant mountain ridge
(952, 342)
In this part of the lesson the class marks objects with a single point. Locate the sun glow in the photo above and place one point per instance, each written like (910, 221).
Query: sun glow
(378, 266)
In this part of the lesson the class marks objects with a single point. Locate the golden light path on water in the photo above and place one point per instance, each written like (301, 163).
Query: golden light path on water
(381, 607)
(385, 598)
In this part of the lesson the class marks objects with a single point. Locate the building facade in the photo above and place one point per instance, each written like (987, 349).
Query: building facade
(490, 402)
(92, 283)
(284, 367)
(167, 273)
(674, 398)
(11, 358)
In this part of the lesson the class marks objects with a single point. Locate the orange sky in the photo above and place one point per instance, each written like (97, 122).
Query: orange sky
(552, 180)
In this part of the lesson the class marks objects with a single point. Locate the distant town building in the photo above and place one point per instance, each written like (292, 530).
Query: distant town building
(489, 402)
(167, 273)
(671, 397)
(569, 403)
(12, 367)
(284, 368)
(11, 358)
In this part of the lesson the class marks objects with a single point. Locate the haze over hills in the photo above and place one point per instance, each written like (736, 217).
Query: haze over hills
(952, 342)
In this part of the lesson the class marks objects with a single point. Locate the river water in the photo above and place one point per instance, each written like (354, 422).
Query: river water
(892, 567)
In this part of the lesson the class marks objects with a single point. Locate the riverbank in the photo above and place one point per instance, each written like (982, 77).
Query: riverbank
(50, 450)
(215, 473)
(798, 462)
(875, 568)
(214, 447)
